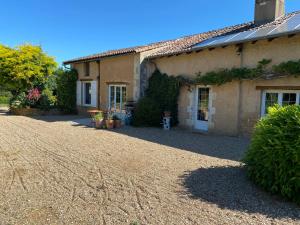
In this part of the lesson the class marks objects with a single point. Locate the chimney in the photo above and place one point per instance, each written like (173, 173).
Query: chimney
(268, 10)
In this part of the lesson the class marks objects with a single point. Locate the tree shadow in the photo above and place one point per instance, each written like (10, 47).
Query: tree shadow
(229, 188)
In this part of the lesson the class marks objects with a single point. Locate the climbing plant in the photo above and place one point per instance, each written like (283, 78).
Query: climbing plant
(163, 90)
(223, 76)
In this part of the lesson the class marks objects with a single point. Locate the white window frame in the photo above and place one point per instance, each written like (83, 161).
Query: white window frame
(280, 97)
(83, 93)
(115, 97)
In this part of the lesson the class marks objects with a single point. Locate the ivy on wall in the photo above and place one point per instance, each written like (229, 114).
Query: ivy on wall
(163, 90)
(261, 70)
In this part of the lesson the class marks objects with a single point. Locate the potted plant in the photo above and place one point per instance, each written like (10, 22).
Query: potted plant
(98, 118)
(109, 121)
(117, 121)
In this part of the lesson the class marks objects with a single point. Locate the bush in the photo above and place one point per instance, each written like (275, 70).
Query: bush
(47, 100)
(5, 96)
(19, 101)
(4, 100)
(163, 92)
(147, 113)
(66, 90)
(273, 158)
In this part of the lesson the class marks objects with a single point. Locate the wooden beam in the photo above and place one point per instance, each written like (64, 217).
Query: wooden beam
(277, 87)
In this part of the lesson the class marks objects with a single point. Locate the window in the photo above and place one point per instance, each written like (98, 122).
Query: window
(117, 97)
(87, 87)
(280, 97)
(87, 69)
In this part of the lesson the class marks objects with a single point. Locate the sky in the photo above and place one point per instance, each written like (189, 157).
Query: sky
(67, 29)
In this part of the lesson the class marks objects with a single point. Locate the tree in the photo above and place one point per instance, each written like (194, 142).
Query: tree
(23, 67)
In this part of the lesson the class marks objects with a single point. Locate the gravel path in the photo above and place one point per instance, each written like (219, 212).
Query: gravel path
(53, 172)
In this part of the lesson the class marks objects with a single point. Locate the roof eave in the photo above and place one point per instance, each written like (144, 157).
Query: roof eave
(96, 58)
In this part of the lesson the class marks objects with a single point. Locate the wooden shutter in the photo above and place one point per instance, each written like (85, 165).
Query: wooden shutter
(78, 92)
(94, 93)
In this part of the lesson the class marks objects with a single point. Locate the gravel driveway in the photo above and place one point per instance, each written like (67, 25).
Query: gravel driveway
(55, 172)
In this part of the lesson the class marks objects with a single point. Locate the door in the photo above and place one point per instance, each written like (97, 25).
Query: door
(202, 108)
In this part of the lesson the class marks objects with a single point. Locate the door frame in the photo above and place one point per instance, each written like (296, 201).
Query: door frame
(203, 125)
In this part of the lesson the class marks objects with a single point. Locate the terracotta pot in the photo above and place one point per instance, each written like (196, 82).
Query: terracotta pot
(167, 113)
(117, 123)
(109, 124)
(98, 124)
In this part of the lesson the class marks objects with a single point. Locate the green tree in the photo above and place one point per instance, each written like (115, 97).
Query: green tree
(23, 67)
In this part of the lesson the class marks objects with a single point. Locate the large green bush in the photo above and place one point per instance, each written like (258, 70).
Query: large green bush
(147, 113)
(273, 158)
(19, 101)
(66, 90)
(47, 100)
(163, 92)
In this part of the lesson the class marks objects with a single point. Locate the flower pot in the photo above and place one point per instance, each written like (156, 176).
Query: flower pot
(117, 123)
(109, 124)
(167, 114)
(98, 124)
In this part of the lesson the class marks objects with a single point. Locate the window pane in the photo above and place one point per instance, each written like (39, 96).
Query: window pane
(289, 99)
(118, 97)
(112, 97)
(271, 100)
(203, 94)
(88, 94)
(123, 97)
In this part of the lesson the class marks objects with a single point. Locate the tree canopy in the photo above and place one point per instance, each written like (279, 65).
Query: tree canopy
(24, 66)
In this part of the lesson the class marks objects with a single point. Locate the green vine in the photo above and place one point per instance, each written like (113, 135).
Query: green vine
(261, 70)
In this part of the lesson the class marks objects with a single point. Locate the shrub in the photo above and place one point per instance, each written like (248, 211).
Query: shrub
(66, 90)
(273, 158)
(162, 95)
(19, 101)
(47, 100)
(33, 96)
(4, 100)
(147, 113)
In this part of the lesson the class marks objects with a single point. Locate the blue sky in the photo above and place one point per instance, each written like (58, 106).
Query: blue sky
(70, 28)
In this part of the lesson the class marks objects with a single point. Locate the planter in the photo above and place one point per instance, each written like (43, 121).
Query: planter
(26, 112)
(99, 124)
(117, 123)
(109, 124)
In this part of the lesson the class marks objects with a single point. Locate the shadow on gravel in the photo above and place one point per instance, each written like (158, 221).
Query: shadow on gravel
(229, 188)
(223, 147)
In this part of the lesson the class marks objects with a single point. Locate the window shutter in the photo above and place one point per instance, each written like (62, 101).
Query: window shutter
(94, 93)
(78, 92)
